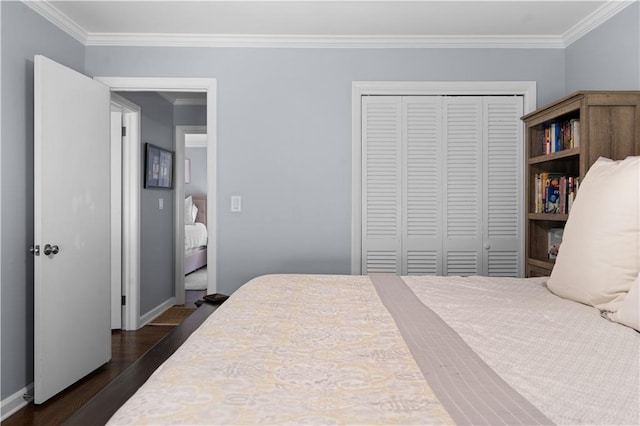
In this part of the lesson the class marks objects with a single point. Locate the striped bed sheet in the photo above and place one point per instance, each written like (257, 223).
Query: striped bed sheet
(339, 349)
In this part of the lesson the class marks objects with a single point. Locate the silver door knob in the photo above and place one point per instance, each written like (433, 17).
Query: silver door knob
(49, 249)
(35, 250)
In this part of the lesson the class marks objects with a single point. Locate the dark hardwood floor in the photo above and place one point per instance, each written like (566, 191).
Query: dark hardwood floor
(127, 346)
(135, 355)
(190, 297)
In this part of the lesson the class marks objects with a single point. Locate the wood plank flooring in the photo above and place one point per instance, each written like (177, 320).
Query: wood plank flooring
(100, 409)
(135, 355)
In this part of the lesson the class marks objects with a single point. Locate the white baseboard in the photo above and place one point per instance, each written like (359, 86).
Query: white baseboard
(14, 402)
(156, 312)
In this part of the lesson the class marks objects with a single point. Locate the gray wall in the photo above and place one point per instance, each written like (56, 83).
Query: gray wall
(190, 115)
(198, 184)
(284, 136)
(24, 34)
(156, 226)
(607, 58)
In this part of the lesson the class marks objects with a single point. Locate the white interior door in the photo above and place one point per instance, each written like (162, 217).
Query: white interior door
(462, 189)
(422, 147)
(71, 227)
(382, 184)
(502, 188)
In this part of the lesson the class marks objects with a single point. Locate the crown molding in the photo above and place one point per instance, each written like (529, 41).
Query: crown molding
(177, 101)
(167, 98)
(44, 8)
(59, 19)
(306, 41)
(190, 102)
(597, 18)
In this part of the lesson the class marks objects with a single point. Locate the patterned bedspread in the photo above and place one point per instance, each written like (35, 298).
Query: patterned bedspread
(321, 349)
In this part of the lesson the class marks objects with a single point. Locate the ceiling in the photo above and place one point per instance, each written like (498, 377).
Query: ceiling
(329, 23)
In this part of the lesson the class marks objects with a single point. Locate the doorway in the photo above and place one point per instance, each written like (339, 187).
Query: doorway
(192, 152)
(132, 178)
(124, 115)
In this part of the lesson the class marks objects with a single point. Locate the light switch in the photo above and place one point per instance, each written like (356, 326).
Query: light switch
(236, 203)
(160, 203)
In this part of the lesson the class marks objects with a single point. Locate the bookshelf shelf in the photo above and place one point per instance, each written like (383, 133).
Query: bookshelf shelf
(556, 217)
(546, 158)
(608, 125)
(547, 264)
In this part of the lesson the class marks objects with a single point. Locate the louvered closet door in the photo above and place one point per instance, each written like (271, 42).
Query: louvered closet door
(502, 189)
(463, 204)
(422, 185)
(381, 184)
(441, 185)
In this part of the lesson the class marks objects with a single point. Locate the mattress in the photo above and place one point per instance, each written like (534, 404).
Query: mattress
(195, 236)
(327, 349)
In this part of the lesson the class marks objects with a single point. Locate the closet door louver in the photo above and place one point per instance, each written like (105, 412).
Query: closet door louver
(462, 239)
(502, 168)
(422, 185)
(441, 185)
(381, 189)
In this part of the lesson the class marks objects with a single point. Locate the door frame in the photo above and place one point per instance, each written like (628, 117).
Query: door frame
(132, 171)
(181, 131)
(116, 136)
(527, 89)
(130, 217)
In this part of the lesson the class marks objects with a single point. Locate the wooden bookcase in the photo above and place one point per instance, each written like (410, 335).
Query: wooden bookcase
(609, 127)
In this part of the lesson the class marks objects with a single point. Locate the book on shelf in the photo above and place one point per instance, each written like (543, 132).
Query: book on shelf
(562, 194)
(560, 135)
(556, 137)
(554, 239)
(546, 142)
(572, 188)
(575, 133)
(554, 193)
(538, 193)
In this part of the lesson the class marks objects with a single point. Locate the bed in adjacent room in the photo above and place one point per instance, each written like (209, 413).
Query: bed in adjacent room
(195, 233)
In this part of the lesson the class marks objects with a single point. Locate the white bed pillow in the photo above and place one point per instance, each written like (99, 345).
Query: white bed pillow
(194, 214)
(189, 218)
(629, 311)
(600, 254)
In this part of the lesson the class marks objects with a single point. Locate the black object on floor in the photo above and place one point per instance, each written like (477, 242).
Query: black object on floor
(215, 298)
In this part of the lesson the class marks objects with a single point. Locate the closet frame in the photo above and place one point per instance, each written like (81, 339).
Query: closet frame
(526, 89)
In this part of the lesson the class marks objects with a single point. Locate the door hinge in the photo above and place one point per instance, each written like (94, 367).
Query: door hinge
(124, 131)
(124, 300)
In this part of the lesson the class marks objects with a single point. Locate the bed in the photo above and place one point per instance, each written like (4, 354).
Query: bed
(195, 233)
(384, 349)
(322, 349)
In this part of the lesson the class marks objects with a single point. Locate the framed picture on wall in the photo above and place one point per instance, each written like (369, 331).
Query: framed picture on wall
(158, 171)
